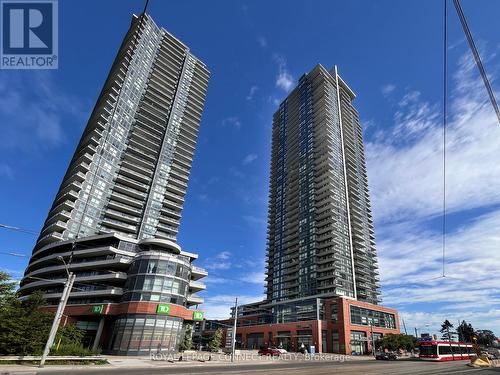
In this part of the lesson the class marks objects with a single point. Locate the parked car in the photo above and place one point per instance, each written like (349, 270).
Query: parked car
(269, 351)
(493, 353)
(281, 350)
(386, 356)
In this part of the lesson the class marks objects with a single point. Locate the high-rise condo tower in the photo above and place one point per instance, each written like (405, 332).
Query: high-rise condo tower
(320, 228)
(116, 215)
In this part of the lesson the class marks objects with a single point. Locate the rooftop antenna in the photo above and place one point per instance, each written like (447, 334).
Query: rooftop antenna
(145, 8)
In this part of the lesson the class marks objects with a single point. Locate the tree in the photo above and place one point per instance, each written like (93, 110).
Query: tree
(7, 288)
(465, 332)
(69, 335)
(445, 330)
(187, 341)
(215, 341)
(485, 337)
(24, 327)
(398, 341)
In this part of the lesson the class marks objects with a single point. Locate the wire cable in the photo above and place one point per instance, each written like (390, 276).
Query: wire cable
(16, 229)
(445, 105)
(475, 52)
(19, 255)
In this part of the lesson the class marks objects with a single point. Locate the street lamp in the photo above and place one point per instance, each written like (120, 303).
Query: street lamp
(68, 285)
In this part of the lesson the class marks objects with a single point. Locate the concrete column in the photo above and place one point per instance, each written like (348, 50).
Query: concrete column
(98, 334)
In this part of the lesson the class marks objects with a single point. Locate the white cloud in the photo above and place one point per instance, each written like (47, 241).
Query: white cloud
(232, 121)
(224, 255)
(284, 79)
(406, 181)
(219, 306)
(211, 279)
(414, 256)
(254, 278)
(6, 171)
(213, 180)
(249, 159)
(262, 41)
(252, 92)
(251, 219)
(203, 197)
(221, 261)
(274, 100)
(236, 172)
(406, 162)
(32, 109)
(387, 89)
(431, 322)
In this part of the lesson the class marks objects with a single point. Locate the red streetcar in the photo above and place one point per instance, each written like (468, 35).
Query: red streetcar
(445, 350)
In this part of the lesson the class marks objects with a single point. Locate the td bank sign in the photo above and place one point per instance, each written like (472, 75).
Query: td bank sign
(197, 315)
(164, 309)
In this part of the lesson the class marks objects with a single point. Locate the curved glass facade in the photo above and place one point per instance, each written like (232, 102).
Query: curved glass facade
(158, 278)
(141, 334)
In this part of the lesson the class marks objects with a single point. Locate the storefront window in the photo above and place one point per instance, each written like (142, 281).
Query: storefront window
(146, 333)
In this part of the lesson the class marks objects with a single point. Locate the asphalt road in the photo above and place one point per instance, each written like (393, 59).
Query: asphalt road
(290, 368)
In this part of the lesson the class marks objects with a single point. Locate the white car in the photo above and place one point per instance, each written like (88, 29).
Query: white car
(281, 350)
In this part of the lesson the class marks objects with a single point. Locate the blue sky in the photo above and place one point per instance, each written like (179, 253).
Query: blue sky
(389, 52)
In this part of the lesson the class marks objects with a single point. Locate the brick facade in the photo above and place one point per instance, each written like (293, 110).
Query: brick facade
(316, 332)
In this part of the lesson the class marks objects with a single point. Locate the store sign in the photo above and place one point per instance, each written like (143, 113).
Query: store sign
(163, 309)
(197, 315)
(97, 309)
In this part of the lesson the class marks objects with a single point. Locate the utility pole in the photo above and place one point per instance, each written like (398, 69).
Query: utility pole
(57, 318)
(233, 344)
(60, 308)
(416, 333)
(404, 325)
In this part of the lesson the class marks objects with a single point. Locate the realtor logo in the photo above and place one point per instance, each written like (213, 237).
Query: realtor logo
(29, 34)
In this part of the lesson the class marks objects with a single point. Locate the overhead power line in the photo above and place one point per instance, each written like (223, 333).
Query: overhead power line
(21, 230)
(445, 119)
(14, 254)
(475, 52)
(487, 85)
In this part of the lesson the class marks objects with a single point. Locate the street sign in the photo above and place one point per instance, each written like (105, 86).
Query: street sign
(163, 309)
(197, 315)
(229, 338)
(97, 309)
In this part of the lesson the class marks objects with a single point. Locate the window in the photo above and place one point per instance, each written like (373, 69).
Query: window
(444, 349)
(426, 350)
(368, 317)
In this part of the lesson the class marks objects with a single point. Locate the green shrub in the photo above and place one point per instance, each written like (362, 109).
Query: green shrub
(72, 349)
(187, 341)
(216, 340)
